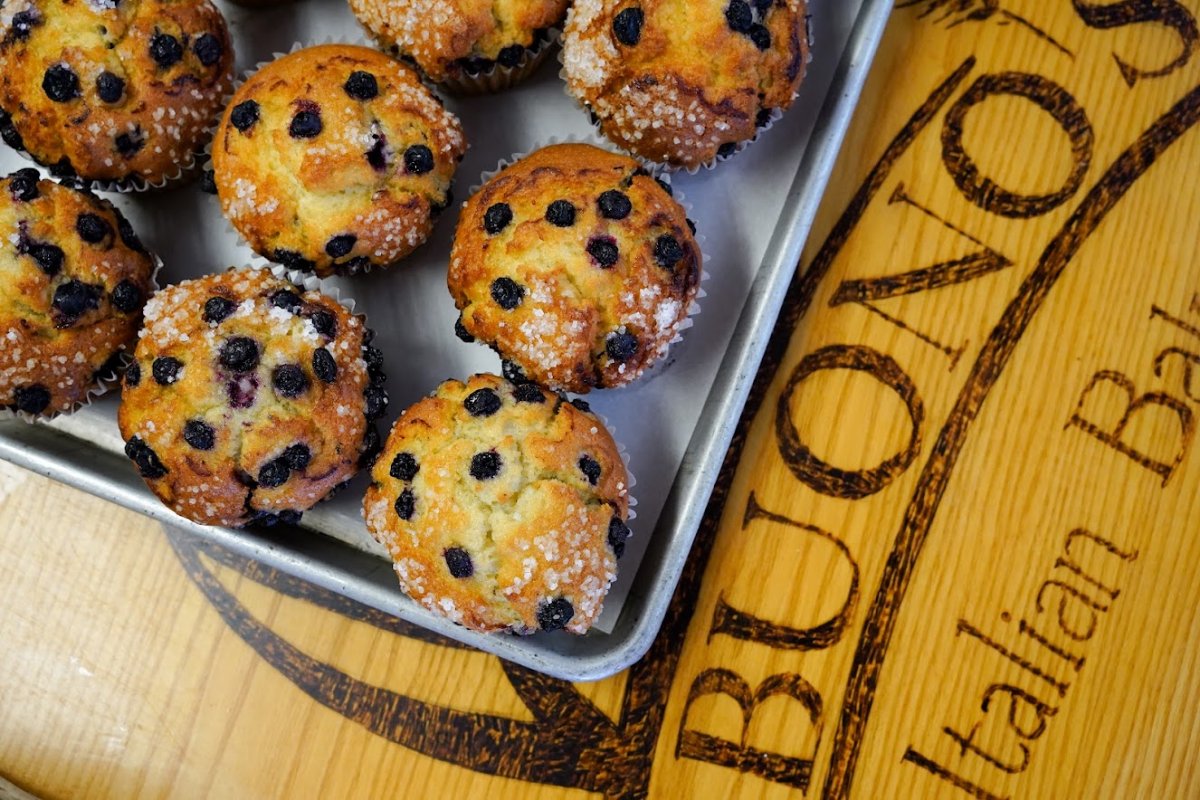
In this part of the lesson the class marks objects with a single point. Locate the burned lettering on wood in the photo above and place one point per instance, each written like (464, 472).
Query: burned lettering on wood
(740, 755)
(953, 13)
(1189, 358)
(1113, 431)
(1040, 652)
(1046, 95)
(1171, 13)
(729, 621)
(948, 273)
(866, 292)
(825, 477)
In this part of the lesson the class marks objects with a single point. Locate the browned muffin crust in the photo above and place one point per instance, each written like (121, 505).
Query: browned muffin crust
(112, 91)
(502, 506)
(335, 158)
(73, 279)
(250, 399)
(683, 81)
(576, 265)
(453, 39)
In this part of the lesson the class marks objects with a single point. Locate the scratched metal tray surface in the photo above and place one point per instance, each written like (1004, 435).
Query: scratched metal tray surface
(755, 212)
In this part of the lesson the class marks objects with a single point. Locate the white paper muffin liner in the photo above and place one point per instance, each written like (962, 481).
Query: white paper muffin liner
(498, 77)
(624, 453)
(206, 156)
(775, 114)
(104, 381)
(660, 363)
(185, 170)
(308, 282)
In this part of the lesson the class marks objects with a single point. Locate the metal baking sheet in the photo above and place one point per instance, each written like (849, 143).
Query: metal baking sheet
(755, 213)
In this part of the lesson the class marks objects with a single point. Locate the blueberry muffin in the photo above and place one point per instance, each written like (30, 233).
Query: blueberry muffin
(466, 45)
(502, 506)
(335, 158)
(682, 82)
(576, 265)
(112, 91)
(73, 279)
(249, 399)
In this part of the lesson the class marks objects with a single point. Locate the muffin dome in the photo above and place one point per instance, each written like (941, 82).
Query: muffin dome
(112, 91)
(453, 41)
(576, 265)
(249, 399)
(684, 81)
(502, 506)
(73, 279)
(335, 158)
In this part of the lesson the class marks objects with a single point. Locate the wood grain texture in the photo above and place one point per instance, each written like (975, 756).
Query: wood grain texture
(953, 553)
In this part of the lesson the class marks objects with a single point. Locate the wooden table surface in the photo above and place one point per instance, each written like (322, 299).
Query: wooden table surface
(953, 552)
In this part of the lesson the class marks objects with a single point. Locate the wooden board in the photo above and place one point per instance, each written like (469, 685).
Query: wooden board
(953, 553)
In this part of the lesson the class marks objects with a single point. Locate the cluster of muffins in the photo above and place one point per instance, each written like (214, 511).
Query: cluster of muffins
(251, 395)
(675, 82)
(503, 506)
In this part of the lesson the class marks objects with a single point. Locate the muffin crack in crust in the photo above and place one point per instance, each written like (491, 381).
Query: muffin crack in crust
(250, 399)
(576, 301)
(334, 159)
(481, 501)
(681, 81)
(111, 91)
